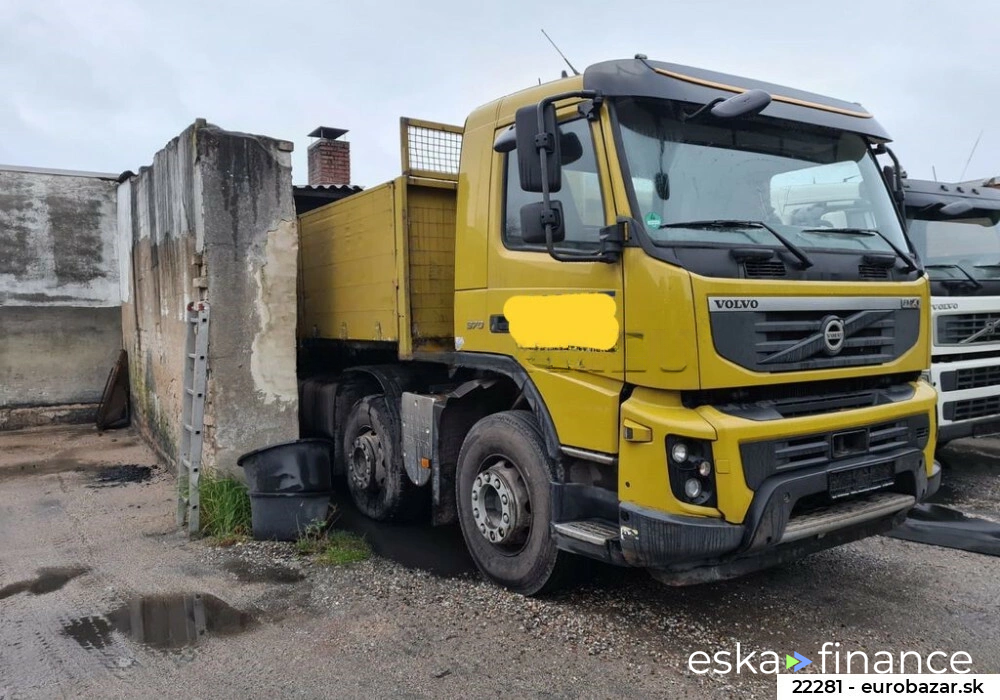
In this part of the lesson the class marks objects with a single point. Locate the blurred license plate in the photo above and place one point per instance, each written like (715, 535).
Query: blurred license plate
(848, 482)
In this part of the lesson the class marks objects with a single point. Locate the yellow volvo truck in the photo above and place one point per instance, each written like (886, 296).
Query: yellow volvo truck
(651, 314)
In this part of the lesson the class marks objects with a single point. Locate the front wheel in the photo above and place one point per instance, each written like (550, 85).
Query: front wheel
(504, 505)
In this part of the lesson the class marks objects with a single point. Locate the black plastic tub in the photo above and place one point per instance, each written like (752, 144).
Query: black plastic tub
(299, 466)
(286, 516)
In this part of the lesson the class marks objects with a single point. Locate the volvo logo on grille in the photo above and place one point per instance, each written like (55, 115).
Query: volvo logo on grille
(832, 329)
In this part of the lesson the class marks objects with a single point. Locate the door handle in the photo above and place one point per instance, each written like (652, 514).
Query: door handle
(498, 324)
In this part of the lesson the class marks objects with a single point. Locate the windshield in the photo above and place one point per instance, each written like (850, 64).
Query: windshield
(971, 243)
(798, 181)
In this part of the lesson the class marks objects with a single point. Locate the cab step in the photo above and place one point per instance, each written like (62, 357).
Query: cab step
(845, 514)
(595, 532)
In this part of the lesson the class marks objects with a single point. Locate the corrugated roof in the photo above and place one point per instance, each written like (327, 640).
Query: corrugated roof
(344, 189)
(309, 197)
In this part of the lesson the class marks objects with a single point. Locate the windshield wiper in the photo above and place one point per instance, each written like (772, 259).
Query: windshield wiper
(907, 260)
(735, 224)
(951, 266)
(988, 265)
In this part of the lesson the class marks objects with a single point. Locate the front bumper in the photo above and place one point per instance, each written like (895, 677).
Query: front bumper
(966, 412)
(683, 549)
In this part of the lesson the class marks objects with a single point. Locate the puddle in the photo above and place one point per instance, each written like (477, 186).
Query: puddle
(123, 474)
(248, 572)
(162, 622)
(46, 580)
(439, 550)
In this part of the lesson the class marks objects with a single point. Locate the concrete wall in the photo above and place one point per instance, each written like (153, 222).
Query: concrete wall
(213, 219)
(60, 326)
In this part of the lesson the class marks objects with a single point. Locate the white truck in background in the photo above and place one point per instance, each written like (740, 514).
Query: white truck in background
(955, 229)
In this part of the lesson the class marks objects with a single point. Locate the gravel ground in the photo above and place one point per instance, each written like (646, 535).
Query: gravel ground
(382, 629)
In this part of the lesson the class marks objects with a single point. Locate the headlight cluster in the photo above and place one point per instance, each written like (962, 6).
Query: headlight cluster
(692, 474)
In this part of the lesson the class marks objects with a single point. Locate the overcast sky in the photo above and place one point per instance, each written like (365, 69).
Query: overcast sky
(103, 84)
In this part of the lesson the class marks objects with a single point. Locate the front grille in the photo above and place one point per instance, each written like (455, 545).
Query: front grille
(806, 398)
(755, 269)
(961, 329)
(972, 408)
(970, 378)
(783, 337)
(873, 272)
(793, 334)
(764, 458)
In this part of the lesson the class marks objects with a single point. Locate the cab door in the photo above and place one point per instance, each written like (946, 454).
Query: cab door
(580, 374)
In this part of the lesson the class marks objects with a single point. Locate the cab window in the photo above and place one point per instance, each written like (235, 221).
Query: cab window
(580, 194)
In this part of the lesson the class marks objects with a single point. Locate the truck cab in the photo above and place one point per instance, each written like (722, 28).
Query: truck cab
(956, 231)
(688, 330)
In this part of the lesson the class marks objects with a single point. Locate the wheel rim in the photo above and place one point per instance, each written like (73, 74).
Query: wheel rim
(501, 507)
(366, 463)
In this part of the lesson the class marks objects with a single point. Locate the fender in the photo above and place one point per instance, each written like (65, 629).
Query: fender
(510, 368)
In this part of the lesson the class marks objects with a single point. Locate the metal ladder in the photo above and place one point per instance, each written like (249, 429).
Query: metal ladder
(193, 416)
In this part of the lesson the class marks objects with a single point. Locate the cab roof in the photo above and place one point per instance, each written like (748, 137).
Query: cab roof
(640, 77)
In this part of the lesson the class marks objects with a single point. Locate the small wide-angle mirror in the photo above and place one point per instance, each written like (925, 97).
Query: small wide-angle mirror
(746, 103)
(506, 141)
(533, 217)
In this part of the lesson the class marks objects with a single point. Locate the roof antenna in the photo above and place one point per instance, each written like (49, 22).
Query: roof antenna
(971, 153)
(575, 71)
(934, 171)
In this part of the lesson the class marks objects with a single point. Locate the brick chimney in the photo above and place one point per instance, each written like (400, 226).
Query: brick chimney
(329, 159)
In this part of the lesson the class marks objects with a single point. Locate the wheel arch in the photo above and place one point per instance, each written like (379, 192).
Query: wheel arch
(507, 367)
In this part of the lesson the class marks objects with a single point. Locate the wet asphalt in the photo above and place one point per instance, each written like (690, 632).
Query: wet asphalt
(100, 596)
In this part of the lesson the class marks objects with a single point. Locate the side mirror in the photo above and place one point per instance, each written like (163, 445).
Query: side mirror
(957, 208)
(746, 103)
(530, 143)
(534, 216)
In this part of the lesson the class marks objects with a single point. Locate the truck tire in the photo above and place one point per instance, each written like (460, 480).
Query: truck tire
(376, 478)
(504, 506)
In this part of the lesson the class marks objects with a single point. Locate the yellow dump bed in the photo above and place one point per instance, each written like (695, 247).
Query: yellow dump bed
(380, 264)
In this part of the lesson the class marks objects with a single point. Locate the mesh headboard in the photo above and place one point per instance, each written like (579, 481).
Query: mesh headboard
(430, 149)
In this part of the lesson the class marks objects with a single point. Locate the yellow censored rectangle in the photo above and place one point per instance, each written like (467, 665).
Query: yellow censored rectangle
(563, 321)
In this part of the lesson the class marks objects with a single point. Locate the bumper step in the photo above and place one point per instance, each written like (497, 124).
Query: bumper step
(596, 532)
(846, 514)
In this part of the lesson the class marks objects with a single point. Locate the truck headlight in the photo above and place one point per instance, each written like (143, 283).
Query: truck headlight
(692, 489)
(689, 466)
(679, 452)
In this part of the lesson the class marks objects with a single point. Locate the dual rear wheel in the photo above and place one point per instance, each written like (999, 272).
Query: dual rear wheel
(502, 490)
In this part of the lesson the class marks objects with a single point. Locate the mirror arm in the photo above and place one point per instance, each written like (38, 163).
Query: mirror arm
(897, 180)
(612, 243)
(688, 116)
(544, 146)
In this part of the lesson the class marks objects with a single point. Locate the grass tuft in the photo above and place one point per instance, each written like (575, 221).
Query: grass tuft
(343, 548)
(225, 508)
(332, 547)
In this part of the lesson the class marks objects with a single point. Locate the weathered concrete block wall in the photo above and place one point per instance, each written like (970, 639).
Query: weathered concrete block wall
(60, 325)
(213, 219)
